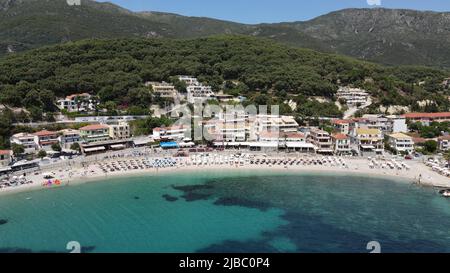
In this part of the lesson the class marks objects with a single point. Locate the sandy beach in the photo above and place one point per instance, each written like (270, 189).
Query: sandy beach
(91, 172)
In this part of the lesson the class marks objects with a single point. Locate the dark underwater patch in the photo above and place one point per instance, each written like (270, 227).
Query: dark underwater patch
(194, 192)
(170, 198)
(136, 198)
(3, 221)
(193, 196)
(236, 201)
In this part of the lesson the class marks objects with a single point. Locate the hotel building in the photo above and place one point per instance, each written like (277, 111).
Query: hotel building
(26, 141)
(401, 143)
(94, 133)
(370, 140)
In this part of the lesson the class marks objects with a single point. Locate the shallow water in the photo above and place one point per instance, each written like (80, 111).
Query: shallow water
(226, 211)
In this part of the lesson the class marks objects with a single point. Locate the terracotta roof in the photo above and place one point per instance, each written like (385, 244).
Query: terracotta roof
(45, 133)
(5, 152)
(340, 136)
(269, 134)
(73, 96)
(342, 121)
(447, 137)
(427, 115)
(294, 135)
(94, 127)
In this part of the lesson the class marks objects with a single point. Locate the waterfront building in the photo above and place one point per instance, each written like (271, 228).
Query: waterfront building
(177, 132)
(322, 140)
(68, 137)
(26, 140)
(120, 130)
(370, 140)
(341, 144)
(94, 133)
(45, 139)
(401, 143)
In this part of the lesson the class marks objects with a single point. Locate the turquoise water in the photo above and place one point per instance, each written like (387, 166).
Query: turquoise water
(228, 212)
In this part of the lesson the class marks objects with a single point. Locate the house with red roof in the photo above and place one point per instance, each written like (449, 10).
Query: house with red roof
(94, 133)
(343, 126)
(426, 118)
(341, 144)
(45, 139)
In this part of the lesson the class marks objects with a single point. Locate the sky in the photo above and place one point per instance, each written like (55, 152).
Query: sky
(271, 11)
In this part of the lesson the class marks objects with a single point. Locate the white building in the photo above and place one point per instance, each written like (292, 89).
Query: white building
(189, 80)
(77, 103)
(370, 140)
(26, 141)
(120, 130)
(322, 140)
(164, 89)
(68, 137)
(401, 143)
(341, 144)
(444, 143)
(398, 124)
(353, 96)
(199, 93)
(273, 123)
(179, 132)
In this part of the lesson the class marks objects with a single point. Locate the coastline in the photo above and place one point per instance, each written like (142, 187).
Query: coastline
(357, 167)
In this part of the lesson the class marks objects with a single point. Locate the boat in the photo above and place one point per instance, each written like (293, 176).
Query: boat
(445, 193)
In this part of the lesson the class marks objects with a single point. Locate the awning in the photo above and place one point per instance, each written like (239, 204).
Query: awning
(368, 147)
(299, 145)
(95, 149)
(231, 143)
(264, 144)
(169, 145)
(142, 141)
(118, 146)
(6, 169)
(186, 144)
(324, 151)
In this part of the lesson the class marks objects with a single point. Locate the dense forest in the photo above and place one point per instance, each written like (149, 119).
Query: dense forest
(262, 70)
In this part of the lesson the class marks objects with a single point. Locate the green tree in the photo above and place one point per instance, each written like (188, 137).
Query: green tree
(430, 146)
(17, 149)
(41, 154)
(75, 147)
(56, 147)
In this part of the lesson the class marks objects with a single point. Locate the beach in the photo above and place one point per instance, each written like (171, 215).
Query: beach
(98, 169)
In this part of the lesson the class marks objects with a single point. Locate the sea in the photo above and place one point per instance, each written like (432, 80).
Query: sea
(237, 211)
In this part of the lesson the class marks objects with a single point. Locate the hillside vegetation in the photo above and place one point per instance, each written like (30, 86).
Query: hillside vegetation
(262, 70)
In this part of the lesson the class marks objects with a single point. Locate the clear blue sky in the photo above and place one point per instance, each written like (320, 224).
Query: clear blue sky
(269, 11)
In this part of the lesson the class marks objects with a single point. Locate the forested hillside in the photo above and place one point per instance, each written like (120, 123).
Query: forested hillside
(262, 70)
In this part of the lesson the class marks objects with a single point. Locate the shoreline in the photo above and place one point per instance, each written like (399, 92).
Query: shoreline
(357, 167)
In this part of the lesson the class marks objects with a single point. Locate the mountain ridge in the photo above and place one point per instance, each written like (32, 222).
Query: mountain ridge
(387, 36)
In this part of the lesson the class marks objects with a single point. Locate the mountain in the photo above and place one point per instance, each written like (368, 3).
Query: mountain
(382, 35)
